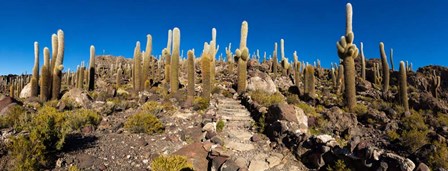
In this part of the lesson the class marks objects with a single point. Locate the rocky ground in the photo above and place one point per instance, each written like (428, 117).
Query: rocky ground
(277, 130)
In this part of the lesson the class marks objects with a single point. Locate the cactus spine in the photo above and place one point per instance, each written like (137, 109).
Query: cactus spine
(137, 67)
(385, 68)
(35, 77)
(347, 51)
(392, 58)
(46, 77)
(174, 82)
(92, 68)
(58, 67)
(242, 62)
(147, 62)
(190, 71)
(363, 63)
(403, 87)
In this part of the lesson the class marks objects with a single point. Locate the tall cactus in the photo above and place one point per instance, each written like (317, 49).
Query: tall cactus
(363, 63)
(118, 77)
(137, 67)
(435, 81)
(283, 61)
(392, 58)
(190, 75)
(296, 71)
(385, 69)
(54, 51)
(348, 51)
(274, 60)
(309, 90)
(403, 87)
(81, 76)
(58, 67)
(92, 69)
(205, 70)
(230, 61)
(46, 77)
(35, 77)
(340, 81)
(147, 62)
(174, 77)
(167, 56)
(242, 62)
(213, 59)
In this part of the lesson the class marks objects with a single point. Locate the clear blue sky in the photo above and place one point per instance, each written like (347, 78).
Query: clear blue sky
(416, 29)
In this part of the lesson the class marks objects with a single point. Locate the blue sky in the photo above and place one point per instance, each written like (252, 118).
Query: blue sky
(417, 30)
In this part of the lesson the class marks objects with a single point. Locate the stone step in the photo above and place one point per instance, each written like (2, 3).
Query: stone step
(234, 113)
(234, 110)
(232, 118)
(232, 107)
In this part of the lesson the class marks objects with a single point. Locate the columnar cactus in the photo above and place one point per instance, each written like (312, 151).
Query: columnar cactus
(58, 67)
(340, 86)
(296, 71)
(309, 89)
(242, 62)
(190, 75)
(147, 62)
(403, 87)
(81, 76)
(392, 58)
(274, 60)
(118, 77)
(174, 77)
(435, 80)
(137, 68)
(46, 77)
(363, 63)
(11, 90)
(348, 51)
(333, 77)
(205, 70)
(213, 60)
(230, 61)
(92, 69)
(54, 51)
(35, 77)
(385, 69)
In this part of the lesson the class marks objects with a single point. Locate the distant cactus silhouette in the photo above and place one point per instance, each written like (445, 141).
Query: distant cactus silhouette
(391, 57)
(274, 60)
(348, 51)
(363, 63)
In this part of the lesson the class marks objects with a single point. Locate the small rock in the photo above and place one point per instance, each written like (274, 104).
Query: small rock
(229, 165)
(241, 162)
(255, 138)
(257, 165)
(217, 140)
(60, 163)
(324, 138)
(273, 161)
(209, 127)
(422, 167)
(217, 162)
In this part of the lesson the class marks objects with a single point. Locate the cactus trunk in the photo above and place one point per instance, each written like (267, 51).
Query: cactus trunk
(92, 69)
(385, 69)
(403, 87)
(46, 77)
(35, 76)
(190, 75)
(58, 67)
(174, 77)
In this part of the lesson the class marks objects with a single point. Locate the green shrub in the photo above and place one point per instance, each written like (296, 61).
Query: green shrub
(143, 122)
(47, 131)
(81, 118)
(338, 166)
(393, 135)
(414, 139)
(216, 90)
(227, 93)
(73, 168)
(152, 107)
(292, 99)
(440, 157)
(442, 119)
(16, 118)
(414, 121)
(265, 99)
(171, 163)
(309, 110)
(220, 125)
(360, 109)
(51, 103)
(200, 103)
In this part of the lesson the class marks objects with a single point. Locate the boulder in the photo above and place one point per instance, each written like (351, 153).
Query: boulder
(340, 121)
(76, 98)
(195, 154)
(284, 111)
(404, 163)
(26, 91)
(261, 83)
(5, 104)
